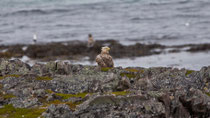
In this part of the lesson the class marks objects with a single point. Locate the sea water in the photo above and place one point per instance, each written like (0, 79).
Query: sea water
(169, 22)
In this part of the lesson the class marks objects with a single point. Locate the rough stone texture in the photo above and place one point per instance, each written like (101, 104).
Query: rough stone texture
(13, 67)
(78, 49)
(67, 91)
(58, 111)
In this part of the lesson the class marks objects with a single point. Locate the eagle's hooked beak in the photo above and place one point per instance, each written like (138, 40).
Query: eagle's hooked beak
(105, 49)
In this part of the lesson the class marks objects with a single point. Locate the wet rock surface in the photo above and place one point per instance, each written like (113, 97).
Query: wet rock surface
(62, 90)
(76, 50)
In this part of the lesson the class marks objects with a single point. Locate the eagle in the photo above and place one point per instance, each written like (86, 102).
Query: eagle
(104, 59)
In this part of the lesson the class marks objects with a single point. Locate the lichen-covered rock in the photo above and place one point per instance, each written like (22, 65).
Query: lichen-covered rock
(66, 90)
(24, 102)
(58, 111)
(39, 69)
(13, 67)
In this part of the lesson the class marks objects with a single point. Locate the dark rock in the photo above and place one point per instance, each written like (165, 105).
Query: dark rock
(123, 84)
(68, 90)
(24, 103)
(13, 67)
(58, 111)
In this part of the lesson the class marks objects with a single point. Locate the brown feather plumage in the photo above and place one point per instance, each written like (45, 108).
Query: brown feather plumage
(104, 60)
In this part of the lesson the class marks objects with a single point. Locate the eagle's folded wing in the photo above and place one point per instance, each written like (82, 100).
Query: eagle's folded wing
(100, 61)
(110, 62)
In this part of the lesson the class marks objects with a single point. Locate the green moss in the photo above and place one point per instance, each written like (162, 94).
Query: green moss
(120, 93)
(134, 70)
(45, 78)
(8, 111)
(189, 72)
(208, 94)
(105, 69)
(72, 105)
(8, 96)
(16, 76)
(131, 70)
(67, 96)
(6, 54)
(129, 75)
(55, 102)
(49, 91)
(142, 71)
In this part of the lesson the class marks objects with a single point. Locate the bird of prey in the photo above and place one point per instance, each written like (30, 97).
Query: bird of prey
(104, 59)
(90, 41)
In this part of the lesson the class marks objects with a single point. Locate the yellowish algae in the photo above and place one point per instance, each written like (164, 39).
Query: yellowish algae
(45, 78)
(16, 76)
(106, 69)
(8, 96)
(67, 96)
(120, 93)
(189, 72)
(6, 54)
(142, 71)
(131, 70)
(208, 94)
(8, 111)
(134, 70)
(129, 75)
(72, 105)
(49, 91)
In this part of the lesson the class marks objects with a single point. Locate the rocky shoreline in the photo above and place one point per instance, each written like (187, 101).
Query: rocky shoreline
(76, 50)
(62, 90)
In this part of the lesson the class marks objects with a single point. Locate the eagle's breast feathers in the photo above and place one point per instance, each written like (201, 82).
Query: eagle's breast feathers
(104, 60)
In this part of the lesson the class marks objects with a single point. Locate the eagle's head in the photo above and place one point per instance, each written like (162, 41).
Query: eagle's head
(105, 50)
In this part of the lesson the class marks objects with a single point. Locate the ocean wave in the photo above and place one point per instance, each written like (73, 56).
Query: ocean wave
(6, 32)
(169, 3)
(157, 37)
(36, 12)
(27, 12)
(192, 16)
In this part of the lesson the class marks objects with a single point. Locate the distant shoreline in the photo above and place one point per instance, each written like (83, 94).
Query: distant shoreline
(78, 49)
